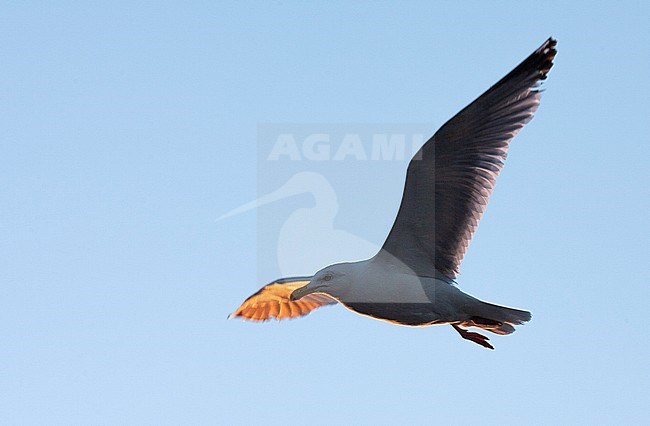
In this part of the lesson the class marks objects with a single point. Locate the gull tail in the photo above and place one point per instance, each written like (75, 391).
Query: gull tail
(497, 319)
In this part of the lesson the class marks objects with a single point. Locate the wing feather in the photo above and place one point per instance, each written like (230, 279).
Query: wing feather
(450, 179)
(272, 301)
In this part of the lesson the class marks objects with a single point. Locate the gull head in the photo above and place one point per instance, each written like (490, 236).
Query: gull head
(334, 280)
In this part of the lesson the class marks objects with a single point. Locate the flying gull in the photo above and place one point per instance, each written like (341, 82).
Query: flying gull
(411, 280)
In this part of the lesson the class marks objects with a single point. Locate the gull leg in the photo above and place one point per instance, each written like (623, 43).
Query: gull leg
(474, 337)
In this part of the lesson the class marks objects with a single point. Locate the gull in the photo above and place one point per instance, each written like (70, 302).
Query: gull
(411, 280)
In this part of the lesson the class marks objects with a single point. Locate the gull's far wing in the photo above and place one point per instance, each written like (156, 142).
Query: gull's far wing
(272, 301)
(449, 180)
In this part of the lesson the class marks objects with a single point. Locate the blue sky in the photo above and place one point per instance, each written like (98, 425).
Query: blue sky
(128, 128)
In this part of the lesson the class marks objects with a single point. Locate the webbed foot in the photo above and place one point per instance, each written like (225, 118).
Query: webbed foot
(474, 337)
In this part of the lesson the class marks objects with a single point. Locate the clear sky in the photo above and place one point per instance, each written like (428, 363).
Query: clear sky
(128, 128)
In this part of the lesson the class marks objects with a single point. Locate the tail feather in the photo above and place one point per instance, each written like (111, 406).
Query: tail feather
(497, 319)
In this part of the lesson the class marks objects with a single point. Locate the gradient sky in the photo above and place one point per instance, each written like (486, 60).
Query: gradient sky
(129, 127)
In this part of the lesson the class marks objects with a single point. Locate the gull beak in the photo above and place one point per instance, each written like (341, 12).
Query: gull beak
(299, 292)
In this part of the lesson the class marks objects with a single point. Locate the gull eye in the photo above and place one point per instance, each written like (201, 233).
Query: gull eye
(327, 277)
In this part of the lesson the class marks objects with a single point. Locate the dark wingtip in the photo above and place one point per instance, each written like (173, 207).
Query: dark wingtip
(546, 54)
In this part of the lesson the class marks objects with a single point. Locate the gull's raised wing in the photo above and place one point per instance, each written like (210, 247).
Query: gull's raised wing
(449, 180)
(272, 301)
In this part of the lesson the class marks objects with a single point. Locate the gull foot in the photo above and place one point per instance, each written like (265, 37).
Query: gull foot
(474, 337)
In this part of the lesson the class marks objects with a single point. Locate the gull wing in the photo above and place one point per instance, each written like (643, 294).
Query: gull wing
(449, 180)
(272, 301)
